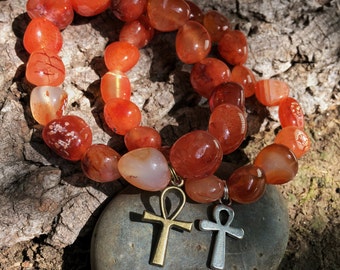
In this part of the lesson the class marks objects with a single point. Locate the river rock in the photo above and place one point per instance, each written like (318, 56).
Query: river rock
(122, 240)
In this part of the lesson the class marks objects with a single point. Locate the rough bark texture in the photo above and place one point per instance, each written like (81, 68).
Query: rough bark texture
(48, 208)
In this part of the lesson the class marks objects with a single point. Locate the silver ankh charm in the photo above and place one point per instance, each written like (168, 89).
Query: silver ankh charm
(218, 254)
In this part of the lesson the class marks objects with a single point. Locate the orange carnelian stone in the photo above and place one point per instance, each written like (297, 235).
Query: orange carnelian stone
(295, 139)
(42, 34)
(167, 15)
(121, 55)
(47, 103)
(142, 136)
(68, 136)
(233, 47)
(205, 190)
(247, 184)
(58, 12)
(278, 163)
(128, 10)
(207, 74)
(245, 77)
(121, 115)
(89, 8)
(216, 24)
(192, 42)
(228, 124)
(270, 92)
(196, 154)
(45, 68)
(115, 84)
(100, 163)
(196, 13)
(291, 113)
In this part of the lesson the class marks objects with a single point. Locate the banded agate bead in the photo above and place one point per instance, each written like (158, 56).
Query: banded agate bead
(270, 92)
(196, 155)
(90, 8)
(115, 84)
(245, 77)
(205, 190)
(68, 136)
(47, 103)
(142, 136)
(128, 10)
(291, 113)
(145, 168)
(216, 24)
(278, 163)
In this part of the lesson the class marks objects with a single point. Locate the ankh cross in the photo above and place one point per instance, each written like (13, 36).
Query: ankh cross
(218, 254)
(159, 256)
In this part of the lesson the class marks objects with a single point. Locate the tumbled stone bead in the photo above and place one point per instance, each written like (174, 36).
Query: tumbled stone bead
(278, 163)
(192, 42)
(270, 92)
(291, 113)
(47, 103)
(115, 84)
(90, 8)
(245, 77)
(100, 163)
(196, 154)
(216, 24)
(247, 184)
(142, 136)
(295, 139)
(128, 10)
(196, 13)
(205, 190)
(145, 168)
(68, 136)
(228, 124)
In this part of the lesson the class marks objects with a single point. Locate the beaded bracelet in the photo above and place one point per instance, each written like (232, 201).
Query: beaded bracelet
(194, 157)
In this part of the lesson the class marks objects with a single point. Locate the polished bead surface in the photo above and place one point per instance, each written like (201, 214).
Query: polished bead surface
(196, 14)
(270, 92)
(196, 154)
(47, 103)
(45, 68)
(193, 42)
(58, 12)
(121, 115)
(68, 136)
(278, 163)
(205, 190)
(145, 168)
(247, 184)
(228, 124)
(121, 55)
(100, 163)
(142, 136)
(291, 113)
(42, 34)
(207, 74)
(216, 24)
(295, 139)
(167, 15)
(230, 92)
(128, 10)
(233, 47)
(245, 77)
(115, 84)
(89, 8)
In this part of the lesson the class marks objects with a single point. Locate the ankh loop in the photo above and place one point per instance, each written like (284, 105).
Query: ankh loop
(218, 254)
(167, 223)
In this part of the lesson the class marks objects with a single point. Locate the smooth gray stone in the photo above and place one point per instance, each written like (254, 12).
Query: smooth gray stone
(121, 240)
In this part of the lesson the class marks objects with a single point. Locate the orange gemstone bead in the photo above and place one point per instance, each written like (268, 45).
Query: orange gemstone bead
(115, 84)
(45, 68)
(89, 8)
(207, 74)
(141, 136)
(192, 42)
(128, 10)
(291, 113)
(295, 139)
(42, 34)
(278, 163)
(121, 55)
(68, 136)
(216, 24)
(47, 103)
(58, 12)
(245, 77)
(205, 190)
(247, 184)
(270, 92)
(233, 47)
(121, 115)
(196, 155)
(196, 13)
(100, 163)
(167, 15)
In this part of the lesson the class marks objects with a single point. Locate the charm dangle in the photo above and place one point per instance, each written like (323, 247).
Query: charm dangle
(167, 223)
